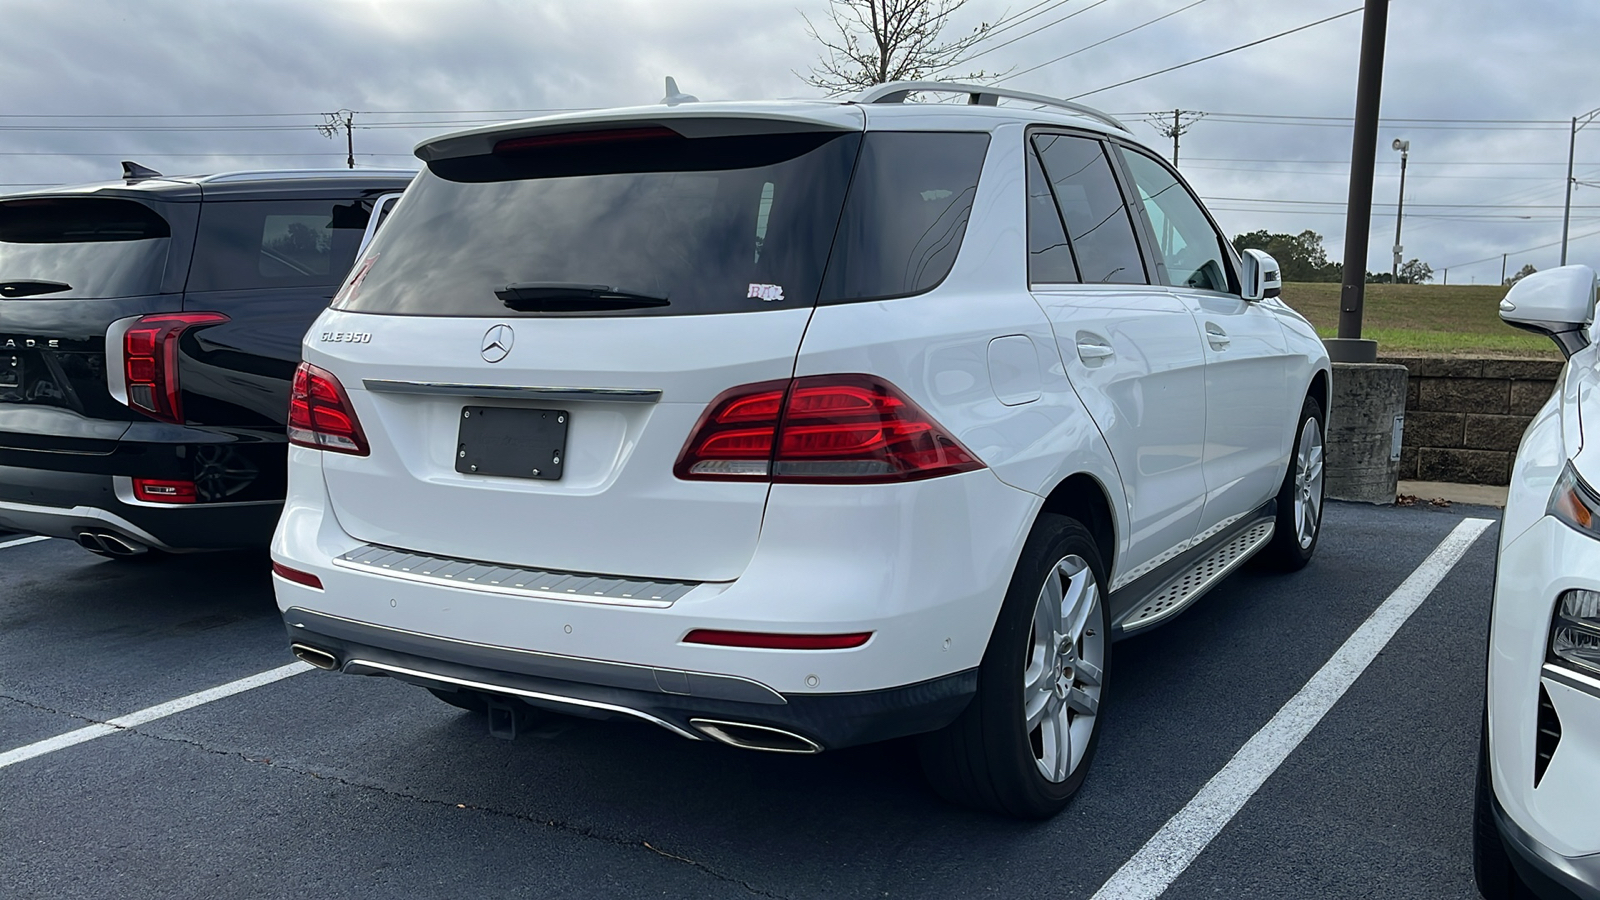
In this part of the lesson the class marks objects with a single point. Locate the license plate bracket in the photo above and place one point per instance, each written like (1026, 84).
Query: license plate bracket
(511, 442)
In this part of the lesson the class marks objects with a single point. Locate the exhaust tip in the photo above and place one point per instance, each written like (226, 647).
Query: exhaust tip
(311, 656)
(756, 737)
(107, 543)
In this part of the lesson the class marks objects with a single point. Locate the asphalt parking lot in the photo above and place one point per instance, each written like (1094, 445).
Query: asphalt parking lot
(329, 786)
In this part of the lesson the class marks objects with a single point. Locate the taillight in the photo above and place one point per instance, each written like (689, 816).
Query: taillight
(821, 429)
(320, 414)
(164, 490)
(150, 362)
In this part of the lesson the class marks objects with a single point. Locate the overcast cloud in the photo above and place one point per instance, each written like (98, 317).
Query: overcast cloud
(1473, 190)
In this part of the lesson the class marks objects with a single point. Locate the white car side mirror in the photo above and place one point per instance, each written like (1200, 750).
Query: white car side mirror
(1557, 303)
(1262, 276)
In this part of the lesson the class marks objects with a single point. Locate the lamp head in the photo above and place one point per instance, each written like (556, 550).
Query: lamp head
(1400, 145)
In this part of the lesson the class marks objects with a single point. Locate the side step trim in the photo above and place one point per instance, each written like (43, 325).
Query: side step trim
(1177, 593)
(365, 667)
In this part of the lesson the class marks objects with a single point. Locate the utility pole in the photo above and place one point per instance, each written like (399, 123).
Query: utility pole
(343, 119)
(1572, 147)
(1349, 347)
(1503, 267)
(1182, 121)
(1400, 214)
(1447, 277)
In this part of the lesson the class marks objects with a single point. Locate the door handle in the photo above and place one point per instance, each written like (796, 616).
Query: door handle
(1094, 352)
(1218, 338)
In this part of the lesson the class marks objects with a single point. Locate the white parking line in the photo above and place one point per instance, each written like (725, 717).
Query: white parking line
(149, 714)
(1166, 855)
(20, 541)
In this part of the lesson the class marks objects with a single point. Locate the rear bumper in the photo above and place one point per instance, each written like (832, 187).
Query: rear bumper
(670, 698)
(66, 504)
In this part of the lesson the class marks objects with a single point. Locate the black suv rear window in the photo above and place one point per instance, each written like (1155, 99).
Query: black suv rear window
(276, 243)
(81, 247)
(713, 225)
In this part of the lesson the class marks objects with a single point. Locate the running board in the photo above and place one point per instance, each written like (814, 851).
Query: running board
(1176, 593)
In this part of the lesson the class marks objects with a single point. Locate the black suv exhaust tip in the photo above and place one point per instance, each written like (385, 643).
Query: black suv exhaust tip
(106, 543)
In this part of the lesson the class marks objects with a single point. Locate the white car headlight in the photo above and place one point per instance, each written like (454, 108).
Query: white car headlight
(1575, 633)
(1575, 503)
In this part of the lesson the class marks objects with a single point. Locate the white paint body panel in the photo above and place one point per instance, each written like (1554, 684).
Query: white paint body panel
(1540, 557)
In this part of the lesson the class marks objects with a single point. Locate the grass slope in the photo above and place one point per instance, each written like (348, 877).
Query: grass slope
(1424, 319)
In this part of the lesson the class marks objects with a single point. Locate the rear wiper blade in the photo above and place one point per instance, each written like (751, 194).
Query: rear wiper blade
(11, 290)
(562, 296)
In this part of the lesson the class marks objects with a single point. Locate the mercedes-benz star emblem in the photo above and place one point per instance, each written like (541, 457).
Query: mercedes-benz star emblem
(497, 343)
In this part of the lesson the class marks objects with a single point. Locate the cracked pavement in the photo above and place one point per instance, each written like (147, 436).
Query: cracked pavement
(366, 787)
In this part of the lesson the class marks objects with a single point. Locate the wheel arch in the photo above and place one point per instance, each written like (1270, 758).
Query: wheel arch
(1321, 390)
(1083, 497)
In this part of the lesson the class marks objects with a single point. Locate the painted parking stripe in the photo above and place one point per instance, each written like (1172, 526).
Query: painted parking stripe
(1166, 855)
(150, 714)
(20, 541)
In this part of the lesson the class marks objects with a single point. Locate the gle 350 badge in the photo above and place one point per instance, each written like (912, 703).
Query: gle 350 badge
(346, 337)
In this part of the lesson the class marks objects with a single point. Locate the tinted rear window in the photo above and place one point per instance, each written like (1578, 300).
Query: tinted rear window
(276, 243)
(81, 247)
(907, 213)
(714, 225)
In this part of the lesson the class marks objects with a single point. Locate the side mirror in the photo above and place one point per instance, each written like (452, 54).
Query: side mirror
(1262, 276)
(1557, 303)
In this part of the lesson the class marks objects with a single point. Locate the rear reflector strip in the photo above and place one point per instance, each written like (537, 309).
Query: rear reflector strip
(766, 641)
(296, 576)
(158, 490)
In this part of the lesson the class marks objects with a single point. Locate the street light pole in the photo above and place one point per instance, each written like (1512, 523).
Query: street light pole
(1400, 213)
(1348, 346)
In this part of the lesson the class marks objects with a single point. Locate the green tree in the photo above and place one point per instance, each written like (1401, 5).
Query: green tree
(1522, 273)
(1301, 256)
(1416, 272)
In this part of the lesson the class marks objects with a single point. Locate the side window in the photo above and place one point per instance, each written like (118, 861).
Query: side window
(1191, 247)
(906, 214)
(276, 243)
(1098, 225)
(1049, 257)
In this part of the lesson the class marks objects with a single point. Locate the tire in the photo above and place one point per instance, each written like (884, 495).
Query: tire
(1301, 498)
(1491, 864)
(471, 701)
(990, 758)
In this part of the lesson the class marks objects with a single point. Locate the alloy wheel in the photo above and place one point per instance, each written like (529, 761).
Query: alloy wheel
(1308, 483)
(1063, 676)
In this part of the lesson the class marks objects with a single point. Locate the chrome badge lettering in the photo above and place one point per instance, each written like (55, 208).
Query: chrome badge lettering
(15, 343)
(346, 337)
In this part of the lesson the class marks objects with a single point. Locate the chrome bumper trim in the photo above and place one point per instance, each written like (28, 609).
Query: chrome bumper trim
(511, 392)
(517, 581)
(362, 666)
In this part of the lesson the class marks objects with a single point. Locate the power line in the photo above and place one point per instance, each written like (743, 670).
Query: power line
(1255, 43)
(1098, 43)
(1034, 31)
(1518, 252)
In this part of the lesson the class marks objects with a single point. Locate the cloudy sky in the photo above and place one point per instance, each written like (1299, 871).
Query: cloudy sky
(1483, 90)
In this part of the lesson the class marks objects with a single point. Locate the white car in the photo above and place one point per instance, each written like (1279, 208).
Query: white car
(1537, 818)
(796, 426)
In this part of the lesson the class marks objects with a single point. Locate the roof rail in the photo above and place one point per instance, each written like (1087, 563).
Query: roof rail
(978, 95)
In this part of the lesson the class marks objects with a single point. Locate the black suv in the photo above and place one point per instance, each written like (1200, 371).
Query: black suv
(149, 332)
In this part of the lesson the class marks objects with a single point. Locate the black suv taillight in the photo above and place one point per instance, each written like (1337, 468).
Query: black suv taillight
(821, 429)
(150, 361)
(320, 414)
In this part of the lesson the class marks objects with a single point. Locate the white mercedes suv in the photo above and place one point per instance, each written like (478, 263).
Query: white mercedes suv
(1537, 821)
(796, 426)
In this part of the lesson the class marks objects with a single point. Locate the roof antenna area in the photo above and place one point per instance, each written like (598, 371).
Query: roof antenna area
(675, 96)
(132, 171)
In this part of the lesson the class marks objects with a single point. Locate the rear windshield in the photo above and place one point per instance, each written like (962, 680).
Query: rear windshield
(711, 225)
(247, 244)
(81, 247)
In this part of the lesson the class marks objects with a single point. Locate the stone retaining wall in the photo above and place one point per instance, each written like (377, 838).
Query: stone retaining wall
(1465, 417)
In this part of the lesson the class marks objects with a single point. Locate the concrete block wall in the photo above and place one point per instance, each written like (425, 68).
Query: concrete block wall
(1465, 417)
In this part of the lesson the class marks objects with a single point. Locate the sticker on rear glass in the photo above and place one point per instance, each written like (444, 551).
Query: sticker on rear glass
(772, 293)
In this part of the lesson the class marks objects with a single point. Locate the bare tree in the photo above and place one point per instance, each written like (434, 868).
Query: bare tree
(875, 41)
